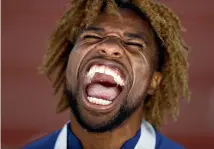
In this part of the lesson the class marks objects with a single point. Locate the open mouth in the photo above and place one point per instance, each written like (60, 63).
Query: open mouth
(103, 86)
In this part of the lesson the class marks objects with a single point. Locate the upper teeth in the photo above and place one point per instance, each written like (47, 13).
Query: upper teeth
(106, 70)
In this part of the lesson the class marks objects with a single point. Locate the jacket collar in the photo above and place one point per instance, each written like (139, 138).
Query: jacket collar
(147, 138)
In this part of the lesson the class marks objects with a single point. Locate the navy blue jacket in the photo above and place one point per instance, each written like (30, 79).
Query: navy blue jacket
(142, 140)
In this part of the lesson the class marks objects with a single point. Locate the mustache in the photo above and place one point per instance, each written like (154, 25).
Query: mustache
(118, 61)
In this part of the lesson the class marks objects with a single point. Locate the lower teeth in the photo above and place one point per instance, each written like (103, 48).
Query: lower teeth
(99, 101)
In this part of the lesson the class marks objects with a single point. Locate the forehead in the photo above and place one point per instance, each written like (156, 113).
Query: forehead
(128, 20)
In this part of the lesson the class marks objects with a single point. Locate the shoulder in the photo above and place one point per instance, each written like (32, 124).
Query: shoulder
(163, 142)
(46, 142)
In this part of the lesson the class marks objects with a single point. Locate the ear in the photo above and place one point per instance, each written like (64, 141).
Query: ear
(156, 79)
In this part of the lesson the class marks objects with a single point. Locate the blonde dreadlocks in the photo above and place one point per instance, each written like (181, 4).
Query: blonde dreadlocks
(165, 24)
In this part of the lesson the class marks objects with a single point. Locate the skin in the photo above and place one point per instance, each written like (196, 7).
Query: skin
(126, 42)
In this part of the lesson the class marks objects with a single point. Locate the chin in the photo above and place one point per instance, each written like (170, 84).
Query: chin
(98, 122)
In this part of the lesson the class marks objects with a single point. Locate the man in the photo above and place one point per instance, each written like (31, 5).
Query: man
(120, 67)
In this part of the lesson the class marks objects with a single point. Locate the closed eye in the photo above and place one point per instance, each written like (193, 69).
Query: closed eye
(91, 37)
(134, 44)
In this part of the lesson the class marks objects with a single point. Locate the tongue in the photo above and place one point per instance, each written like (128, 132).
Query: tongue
(102, 92)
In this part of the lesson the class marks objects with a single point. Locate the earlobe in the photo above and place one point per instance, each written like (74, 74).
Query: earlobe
(157, 77)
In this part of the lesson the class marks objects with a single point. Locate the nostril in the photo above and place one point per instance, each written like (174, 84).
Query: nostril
(116, 54)
(102, 51)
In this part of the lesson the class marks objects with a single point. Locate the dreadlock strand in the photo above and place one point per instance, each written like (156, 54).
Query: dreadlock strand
(92, 10)
(111, 8)
(60, 78)
(172, 19)
(54, 59)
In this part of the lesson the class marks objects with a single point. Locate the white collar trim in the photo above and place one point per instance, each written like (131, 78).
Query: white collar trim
(147, 138)
(61, 141)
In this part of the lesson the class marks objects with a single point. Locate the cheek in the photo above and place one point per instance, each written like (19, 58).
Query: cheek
(74, 61)
(142, 72)
(142, 78)
(76, 56)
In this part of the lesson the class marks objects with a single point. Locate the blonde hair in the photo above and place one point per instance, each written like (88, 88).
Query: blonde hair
(165, 24)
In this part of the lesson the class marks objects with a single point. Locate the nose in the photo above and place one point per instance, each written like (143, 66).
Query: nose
(111, 48)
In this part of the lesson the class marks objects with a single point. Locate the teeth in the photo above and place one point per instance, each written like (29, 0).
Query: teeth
(99, 101)
(102, 69)
(91, 72)
(119, 81)
(96, 68)
(106, 70)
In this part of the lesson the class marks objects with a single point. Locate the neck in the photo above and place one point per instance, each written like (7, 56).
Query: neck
(112, 139)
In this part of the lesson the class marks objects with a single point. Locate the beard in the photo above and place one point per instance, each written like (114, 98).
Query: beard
(119, 117)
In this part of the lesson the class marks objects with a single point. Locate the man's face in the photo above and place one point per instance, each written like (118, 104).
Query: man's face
(110, 70)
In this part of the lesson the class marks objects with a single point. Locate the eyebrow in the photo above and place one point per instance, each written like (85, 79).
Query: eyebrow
(94, 28)
(136, 36)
